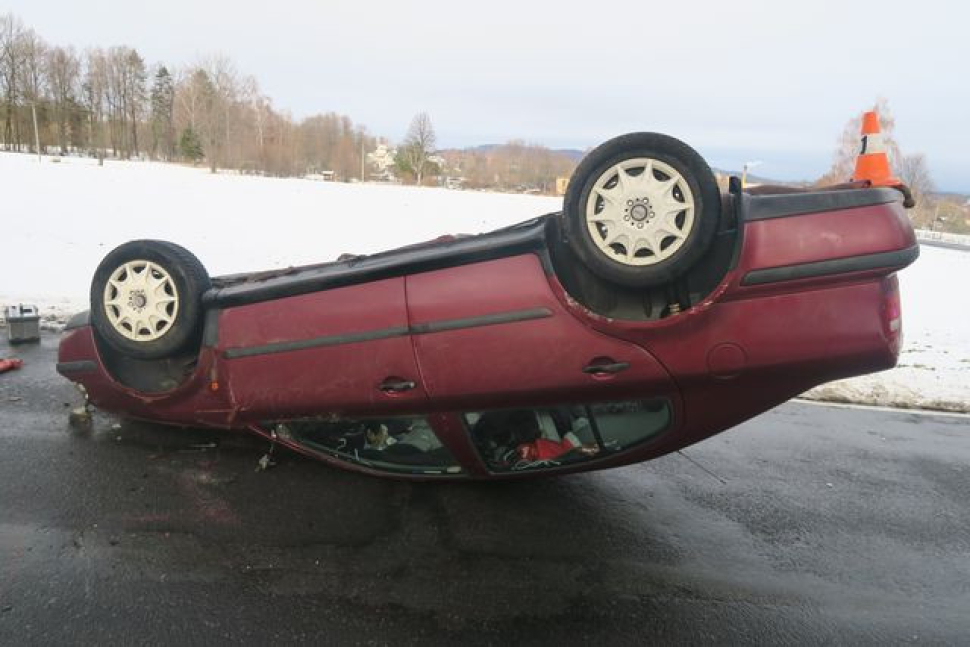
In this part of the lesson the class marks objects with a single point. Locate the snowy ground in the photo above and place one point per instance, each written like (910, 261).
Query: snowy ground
(934, 367)
(60, 218)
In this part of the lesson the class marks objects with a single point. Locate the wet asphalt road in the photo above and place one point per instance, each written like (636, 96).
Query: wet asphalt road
(822, 525)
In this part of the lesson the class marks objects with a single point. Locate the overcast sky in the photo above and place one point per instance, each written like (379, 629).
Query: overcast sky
(769, 80)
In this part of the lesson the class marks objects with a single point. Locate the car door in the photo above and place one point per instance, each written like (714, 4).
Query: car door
(341, 351)
(493, 334)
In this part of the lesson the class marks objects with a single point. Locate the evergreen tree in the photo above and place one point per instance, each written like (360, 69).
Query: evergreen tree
(162, 107)
(189, 145)
(135, 78)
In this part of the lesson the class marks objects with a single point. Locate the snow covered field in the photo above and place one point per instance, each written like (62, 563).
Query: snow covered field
(60, 218)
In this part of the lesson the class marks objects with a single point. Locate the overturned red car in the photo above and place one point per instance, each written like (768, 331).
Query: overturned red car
(652, 312)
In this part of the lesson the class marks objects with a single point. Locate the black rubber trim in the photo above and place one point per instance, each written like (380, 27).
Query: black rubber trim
(899, 258)
(764, 207)
(80, 320)
(210, 329)
(386, 333)
(80, 366)
(315, 342)
(517, 239)
(739, 202)
(481, 320)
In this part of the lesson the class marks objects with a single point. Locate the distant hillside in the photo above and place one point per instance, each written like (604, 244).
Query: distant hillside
(760, 179)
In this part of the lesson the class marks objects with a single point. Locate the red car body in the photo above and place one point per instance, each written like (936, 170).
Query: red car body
(807, 295)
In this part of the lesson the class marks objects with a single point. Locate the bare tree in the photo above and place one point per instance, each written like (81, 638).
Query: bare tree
(418, 147)
(210, 101)
(95, 96)
(136, 95)
(227, 115)
(11, 57)
(63, 72)
(33, 52)
(915, 174)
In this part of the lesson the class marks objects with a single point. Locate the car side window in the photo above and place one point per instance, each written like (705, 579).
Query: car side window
(402, 444)
(545, 437)
(625, 424)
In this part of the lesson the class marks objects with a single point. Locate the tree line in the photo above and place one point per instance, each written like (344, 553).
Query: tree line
(109, 102)
(514, 166)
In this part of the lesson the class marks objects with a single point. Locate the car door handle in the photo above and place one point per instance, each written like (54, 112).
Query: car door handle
(396, 385)
(611, 368)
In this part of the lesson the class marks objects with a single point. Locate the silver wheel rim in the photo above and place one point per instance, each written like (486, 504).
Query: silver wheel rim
(141, 301)
(640, 212)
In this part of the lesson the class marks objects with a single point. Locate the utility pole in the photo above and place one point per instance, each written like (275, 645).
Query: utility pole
(744, 172)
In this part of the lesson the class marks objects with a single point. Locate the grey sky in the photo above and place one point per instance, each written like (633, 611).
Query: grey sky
(773, 81)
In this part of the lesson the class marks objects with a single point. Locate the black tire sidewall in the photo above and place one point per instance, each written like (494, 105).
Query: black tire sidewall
(191, 281)
(671, 151)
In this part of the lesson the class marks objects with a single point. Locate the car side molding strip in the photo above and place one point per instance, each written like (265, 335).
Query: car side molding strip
(315, 342)
(899, 258)
(478, 321)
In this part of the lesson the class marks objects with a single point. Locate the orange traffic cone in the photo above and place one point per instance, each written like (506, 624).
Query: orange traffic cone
(872, 164)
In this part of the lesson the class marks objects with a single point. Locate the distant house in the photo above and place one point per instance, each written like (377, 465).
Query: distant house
(321, 176)
(382, 163)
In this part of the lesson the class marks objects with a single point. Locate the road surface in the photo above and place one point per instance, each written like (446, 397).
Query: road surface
(808, 524)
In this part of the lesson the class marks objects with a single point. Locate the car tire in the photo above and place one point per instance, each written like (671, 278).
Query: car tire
(638, 230)
(146, 298)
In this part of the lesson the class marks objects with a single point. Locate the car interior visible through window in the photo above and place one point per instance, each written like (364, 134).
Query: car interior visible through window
(407, 444)
(530, 438)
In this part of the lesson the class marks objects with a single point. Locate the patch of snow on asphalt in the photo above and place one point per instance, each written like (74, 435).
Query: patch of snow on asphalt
(62, 218)
(934, 367)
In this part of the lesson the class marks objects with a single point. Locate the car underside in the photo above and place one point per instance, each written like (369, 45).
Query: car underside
(511, 353)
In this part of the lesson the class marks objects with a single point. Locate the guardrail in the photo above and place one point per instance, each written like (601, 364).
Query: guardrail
(943, 239)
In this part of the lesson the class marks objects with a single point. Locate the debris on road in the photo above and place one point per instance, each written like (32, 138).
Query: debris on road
(198, 447)
(23, 323)
(10, 364)
(80, 418)
(265, 463)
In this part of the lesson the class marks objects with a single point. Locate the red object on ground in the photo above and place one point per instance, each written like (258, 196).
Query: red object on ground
(10, 364)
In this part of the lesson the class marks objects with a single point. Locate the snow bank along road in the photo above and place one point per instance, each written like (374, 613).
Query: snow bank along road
(62, 217)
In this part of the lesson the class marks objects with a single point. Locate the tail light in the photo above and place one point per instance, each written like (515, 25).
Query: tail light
(892, 313)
